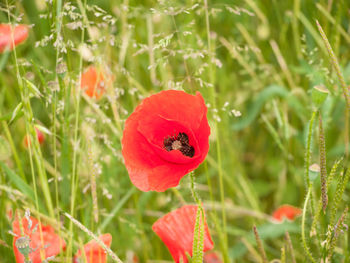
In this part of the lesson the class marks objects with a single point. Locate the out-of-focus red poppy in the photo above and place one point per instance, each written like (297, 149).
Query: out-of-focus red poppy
(50, 244)
(39, 135)
(9, 213)
(176, 230)
(166, 137)
(94, 82)
(212, 257)
(12, 35)
(94, 253)
(286, 211)
(131, 257)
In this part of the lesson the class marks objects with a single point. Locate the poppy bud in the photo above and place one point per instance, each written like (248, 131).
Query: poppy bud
(319, 95)
(39, 135)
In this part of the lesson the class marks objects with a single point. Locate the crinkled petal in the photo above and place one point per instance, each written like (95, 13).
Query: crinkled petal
(94, 253)
(180, 106)
(176, 230)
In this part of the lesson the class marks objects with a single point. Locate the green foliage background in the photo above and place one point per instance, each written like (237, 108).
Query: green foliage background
(257, 57)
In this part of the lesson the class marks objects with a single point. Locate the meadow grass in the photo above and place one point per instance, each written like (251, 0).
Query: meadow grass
(256, 63)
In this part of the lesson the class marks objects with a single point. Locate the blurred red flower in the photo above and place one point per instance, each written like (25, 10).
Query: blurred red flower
(176, 229)
(166, 137)
(286, 211)
(40, 136)
(20, 33)
(43, 239)
(212, 257)
(94, 253)
(94, 82)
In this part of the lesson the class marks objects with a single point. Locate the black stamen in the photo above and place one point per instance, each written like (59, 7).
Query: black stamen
(186, 149)
(168, 143)
(183, 138)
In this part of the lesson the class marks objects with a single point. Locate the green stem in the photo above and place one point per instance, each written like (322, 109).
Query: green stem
(74, 180)
(308, 148)
(335, 64)
(303, 238)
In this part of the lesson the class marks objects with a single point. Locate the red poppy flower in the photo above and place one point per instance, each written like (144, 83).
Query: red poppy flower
(10, 35)
(212, 257)
(50, 244)
(176, 229)
(166, 137)
(286, 211)
(39, 135)
(9, 213)
(94, 253)
(94, 82)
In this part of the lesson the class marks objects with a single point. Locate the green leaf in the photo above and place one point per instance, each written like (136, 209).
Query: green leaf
(16, 112)
(21, 185)
(32, 88)
(18, 182)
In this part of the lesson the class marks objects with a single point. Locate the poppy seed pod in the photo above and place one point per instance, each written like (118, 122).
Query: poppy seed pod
(319, 95)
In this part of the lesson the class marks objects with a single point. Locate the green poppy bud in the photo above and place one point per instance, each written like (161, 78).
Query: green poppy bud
(319, 95)
(314, 170)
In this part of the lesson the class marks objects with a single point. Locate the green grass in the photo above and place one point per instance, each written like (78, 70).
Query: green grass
(260, 58)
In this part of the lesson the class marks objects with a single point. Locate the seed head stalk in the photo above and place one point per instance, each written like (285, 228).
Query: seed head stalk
(303, 236)
(198, 233)
(345, 89)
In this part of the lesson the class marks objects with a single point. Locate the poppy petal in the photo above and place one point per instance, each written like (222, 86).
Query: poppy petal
(157, 128)
(94, 253)
(212, 257)
(93, 82)
(10, 36)
(39, 135)
(176, 230)
(186, 109)
(286, 211)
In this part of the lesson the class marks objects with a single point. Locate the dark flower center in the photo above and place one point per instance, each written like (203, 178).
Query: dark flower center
(179, 142)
